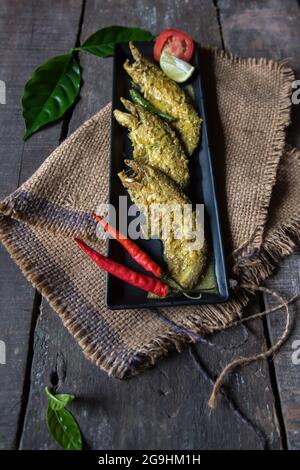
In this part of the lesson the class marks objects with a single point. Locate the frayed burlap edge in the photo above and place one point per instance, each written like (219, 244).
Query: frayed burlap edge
(112, 364)
(252, 245)
(280, 244)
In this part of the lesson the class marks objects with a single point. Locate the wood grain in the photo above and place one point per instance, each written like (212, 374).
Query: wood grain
(286, 281)
(30, 33)
(271, 29)
(264, 29)
(165, 407)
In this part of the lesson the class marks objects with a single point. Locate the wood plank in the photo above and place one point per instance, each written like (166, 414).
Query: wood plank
(286, 281)
(165, 407)
(27, 32)
(272, 30)
(264, 29)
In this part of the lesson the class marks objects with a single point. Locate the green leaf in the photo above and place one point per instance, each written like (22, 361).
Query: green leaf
(57, 402)
(103, 41)
(64, 429)
(51, 90)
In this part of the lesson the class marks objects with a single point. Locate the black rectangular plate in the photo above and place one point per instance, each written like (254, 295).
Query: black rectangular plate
(118, 293)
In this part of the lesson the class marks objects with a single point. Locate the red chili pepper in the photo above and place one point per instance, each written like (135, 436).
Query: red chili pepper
(142, 281)
(132, 248)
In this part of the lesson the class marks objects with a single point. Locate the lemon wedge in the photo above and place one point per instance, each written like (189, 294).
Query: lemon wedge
(176, 69)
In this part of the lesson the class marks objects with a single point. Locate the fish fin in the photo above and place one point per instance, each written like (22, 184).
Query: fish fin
(135, 52)
(125, 119)
(131, 107)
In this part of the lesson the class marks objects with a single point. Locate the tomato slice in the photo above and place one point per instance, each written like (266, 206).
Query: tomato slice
(176, 42)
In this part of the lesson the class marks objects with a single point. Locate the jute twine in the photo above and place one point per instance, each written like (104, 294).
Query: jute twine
(264, 355)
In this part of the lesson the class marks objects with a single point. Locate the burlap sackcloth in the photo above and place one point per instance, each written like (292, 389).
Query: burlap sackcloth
(248, 103)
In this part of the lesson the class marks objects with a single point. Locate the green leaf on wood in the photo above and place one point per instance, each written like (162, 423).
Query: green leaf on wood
(57, 402)
(51, 90)
(64, 429)
(103, 41)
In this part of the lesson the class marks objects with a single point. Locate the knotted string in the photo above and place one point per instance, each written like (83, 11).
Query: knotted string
(247, 360)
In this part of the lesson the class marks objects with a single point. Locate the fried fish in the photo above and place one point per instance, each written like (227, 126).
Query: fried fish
(148, 188)
(167, 96)
(154, 142)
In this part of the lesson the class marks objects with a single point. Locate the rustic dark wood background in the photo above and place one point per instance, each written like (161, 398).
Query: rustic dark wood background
(165, 407)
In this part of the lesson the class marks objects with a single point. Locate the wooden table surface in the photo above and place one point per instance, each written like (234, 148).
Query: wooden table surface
(166, 406)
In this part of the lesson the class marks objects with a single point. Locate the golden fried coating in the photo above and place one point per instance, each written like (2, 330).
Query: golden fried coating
(148, 188)
(167, 96)
(154, 142)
